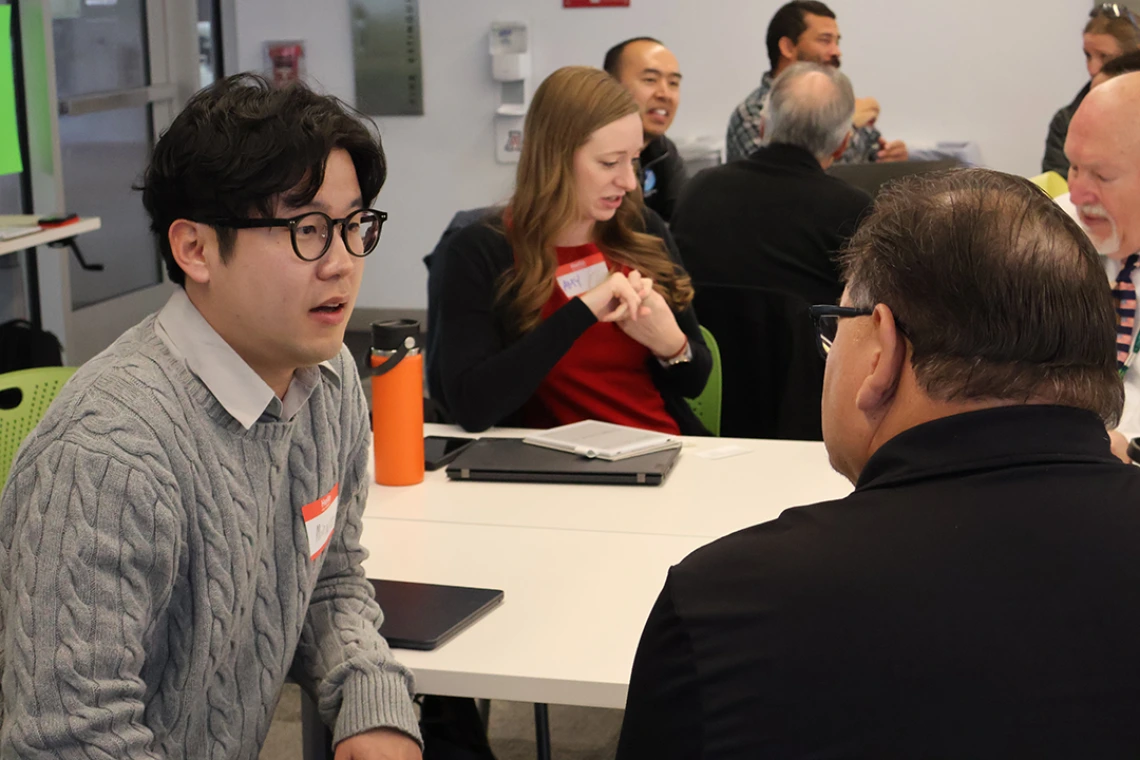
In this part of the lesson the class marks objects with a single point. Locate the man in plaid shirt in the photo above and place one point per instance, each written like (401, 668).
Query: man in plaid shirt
(806, 30)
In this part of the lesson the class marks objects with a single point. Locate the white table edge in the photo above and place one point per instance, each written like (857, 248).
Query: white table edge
(514, 688)
(50, 235)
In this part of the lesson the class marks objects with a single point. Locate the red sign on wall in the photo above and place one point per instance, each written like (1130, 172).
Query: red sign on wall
(595, 3)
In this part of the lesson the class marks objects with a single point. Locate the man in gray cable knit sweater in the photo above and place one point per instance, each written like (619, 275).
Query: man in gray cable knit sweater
(181, 532)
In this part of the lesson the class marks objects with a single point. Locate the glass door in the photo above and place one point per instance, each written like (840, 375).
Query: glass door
(121, 69)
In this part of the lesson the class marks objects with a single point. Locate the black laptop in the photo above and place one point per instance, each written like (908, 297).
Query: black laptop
(509, 459)
(426, 615)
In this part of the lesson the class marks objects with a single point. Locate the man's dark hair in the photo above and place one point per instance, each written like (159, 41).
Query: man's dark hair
(789, 22)
(999, 292)
(1122, 64)
(612, 63)
(241, 146)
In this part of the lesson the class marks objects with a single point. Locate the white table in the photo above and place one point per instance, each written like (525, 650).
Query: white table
(573, 608)
(702, 497)
(29, 243)
(45, 236)
(580, 565)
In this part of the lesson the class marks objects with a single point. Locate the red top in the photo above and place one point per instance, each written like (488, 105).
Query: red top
(604, 374)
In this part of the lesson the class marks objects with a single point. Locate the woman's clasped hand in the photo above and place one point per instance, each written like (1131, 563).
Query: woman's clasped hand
(640, 311)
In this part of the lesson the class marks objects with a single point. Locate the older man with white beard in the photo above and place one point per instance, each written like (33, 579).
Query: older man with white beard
(1103, 147)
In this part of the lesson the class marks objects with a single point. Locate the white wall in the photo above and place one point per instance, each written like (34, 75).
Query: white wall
(993, 71)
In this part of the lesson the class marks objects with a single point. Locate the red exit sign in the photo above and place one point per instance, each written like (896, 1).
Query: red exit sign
(595, 3)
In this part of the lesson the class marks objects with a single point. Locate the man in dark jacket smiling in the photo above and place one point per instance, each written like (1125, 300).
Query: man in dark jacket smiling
(652, 75)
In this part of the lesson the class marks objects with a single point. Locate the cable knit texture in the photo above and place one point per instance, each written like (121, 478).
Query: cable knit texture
(156, 585)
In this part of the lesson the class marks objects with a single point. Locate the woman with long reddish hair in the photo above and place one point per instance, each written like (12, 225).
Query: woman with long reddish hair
(570, 303)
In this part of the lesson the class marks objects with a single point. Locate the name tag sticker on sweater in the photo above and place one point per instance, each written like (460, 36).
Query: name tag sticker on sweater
(320, 517)
(583, 275)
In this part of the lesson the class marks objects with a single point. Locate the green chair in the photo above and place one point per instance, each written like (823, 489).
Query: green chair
(37, 387)
(707, 405)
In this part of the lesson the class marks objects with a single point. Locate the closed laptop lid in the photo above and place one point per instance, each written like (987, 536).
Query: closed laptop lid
(509, 459)
(425, 615)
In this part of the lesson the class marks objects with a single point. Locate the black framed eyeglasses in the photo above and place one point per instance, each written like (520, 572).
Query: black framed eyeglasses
(1115, 10)
(826, 318)
(311, 233)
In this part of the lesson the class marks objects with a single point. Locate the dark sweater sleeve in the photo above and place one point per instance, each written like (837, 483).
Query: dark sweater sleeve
(1055, 159)
(485, 377)
(663, 717)
(673, 176)
(687, 379)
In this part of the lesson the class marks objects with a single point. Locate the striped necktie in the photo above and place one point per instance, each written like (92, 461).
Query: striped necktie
(1125, 294)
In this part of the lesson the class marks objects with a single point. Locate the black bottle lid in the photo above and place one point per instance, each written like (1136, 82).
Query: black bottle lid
(392, 334)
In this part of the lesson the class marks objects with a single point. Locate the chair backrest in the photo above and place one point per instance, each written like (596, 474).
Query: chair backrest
(1052, 183)
(772, 374)
(707, 405)
(36, 389)
(459, 221)
(870, 177)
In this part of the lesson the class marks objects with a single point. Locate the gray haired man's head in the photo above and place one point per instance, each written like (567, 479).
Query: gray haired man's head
(809, 106)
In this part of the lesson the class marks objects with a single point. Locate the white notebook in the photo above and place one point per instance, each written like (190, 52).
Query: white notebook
(603, 440)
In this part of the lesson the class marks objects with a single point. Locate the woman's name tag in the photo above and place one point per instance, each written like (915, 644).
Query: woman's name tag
(583, 275)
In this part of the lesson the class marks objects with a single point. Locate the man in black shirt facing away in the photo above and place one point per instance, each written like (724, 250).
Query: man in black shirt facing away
(652, 75)
(775, 219)
(976, 596)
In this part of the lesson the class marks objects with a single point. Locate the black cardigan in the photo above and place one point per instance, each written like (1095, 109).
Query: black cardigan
(484, 377)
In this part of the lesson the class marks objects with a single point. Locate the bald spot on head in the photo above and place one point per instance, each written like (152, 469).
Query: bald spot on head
(1111, 112)
(812, 91)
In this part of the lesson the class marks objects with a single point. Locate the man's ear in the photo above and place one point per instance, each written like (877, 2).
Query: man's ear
(878, 388)
(788, 48)
(194, 245)
(838, 154)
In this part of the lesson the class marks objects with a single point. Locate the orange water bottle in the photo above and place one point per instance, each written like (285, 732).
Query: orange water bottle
(397, 402)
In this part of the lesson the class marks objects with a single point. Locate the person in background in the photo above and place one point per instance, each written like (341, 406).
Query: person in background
(1111, 31)
(570, 303)
(181, 532)
(975, 595)
(776, 219)
(1103, 146)
(1123, 64)
(806, 30)
(652, 75)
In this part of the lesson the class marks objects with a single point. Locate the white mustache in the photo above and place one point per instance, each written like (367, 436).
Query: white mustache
(1094, 210)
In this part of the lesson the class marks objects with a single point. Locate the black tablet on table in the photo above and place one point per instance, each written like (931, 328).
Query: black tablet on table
(426, 615)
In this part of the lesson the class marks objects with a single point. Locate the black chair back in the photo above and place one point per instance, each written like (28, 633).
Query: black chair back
(772, 371)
